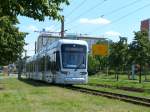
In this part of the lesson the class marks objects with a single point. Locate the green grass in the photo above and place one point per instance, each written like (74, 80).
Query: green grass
(1, 74)
(31, 96)
(138, 94)
(103, 79)
(123, 81)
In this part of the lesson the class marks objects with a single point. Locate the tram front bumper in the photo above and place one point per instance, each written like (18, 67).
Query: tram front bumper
(75, 80)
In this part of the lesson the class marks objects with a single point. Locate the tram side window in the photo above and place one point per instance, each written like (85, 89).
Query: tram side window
(48, 63)
(42, 63)
(34, 66)
(39, 65)
(34, 63)
(31, 66)
(26, 67)
(52, 63)
(57, 61)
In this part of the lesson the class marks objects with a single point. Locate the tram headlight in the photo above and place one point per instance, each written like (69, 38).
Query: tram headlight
(83, 73)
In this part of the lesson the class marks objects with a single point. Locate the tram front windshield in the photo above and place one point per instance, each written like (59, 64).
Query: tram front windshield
(73, 56)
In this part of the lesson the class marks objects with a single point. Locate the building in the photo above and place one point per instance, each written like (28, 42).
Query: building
(145, 26)
(43, 40)
(47, 38)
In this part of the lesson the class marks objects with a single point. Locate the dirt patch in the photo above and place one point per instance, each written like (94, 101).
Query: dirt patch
(1, 88)
(131, 89)
(122, 88)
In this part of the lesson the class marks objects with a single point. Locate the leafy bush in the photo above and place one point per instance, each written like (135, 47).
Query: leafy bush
(92, 65)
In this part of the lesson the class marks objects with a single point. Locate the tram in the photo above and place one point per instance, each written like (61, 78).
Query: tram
(62, 62)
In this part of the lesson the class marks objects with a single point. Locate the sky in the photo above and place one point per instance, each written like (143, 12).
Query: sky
(98, 18)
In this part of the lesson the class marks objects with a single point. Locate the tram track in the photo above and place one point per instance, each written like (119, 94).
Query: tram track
(140, 90)
(122, 97)
(127, 98)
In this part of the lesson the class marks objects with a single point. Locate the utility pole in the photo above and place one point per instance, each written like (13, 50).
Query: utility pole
(35, 47)
(25, 53)
(62, 27)
(21, 64)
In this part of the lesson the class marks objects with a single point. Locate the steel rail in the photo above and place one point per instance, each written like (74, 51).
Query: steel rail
(126, 98)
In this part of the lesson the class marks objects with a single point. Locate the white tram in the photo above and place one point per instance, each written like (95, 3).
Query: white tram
(62, 62)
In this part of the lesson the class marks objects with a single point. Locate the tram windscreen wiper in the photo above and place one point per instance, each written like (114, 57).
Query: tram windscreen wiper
(78, 65)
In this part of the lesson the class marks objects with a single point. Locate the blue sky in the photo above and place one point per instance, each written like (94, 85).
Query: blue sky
(101, 18)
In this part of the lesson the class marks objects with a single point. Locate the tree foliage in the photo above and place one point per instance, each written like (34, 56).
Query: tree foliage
(37, 9)
(122, 55)
(118, 53)
(139, 50)
(11, 41)
(103, 60)
(92, 65)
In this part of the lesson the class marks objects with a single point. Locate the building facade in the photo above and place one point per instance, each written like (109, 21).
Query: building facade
(45, 38)
(145, 26)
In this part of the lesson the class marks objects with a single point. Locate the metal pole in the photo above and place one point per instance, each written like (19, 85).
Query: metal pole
(25, 53)
(35, 47)
(62, 27)
(108, 56)
(25, 62)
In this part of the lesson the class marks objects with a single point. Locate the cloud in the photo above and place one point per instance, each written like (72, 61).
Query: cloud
(32, 28)
(100, 21)
(112, 33)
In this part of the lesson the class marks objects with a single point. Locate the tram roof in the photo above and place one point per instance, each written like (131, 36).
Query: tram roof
(61, 41)
(70, 41)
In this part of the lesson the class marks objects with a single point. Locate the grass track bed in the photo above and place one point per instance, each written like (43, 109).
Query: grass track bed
(138, 94)
(31, 96)
(103, 79)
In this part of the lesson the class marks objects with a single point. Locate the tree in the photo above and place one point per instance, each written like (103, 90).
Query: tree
(103, 60)
(37, 9)
(11, 41)
(140, 50)
(92, 65)
(117, 57)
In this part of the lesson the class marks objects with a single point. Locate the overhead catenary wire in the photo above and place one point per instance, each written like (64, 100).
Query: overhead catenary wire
(120, 8)
(87, 11)
(74, 9)
(77, 7)
(115, 10)
(123, 17)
